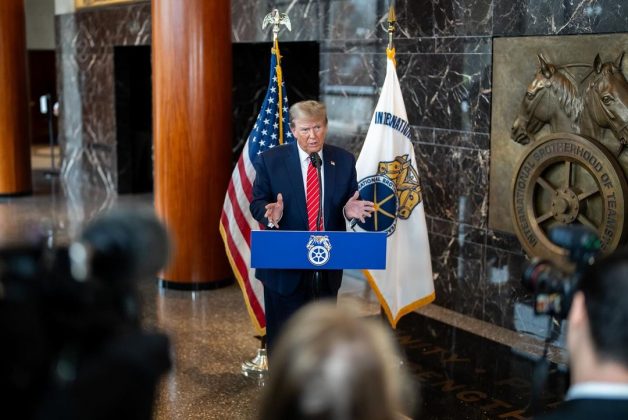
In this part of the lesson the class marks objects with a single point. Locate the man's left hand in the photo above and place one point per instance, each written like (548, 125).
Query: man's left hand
(358, 209)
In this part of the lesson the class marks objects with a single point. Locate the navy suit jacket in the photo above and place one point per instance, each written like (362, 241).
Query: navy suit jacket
(586, 409)
(278, 170)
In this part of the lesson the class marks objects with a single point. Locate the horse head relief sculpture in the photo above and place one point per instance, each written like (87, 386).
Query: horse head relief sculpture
(551, 98)
(606, 101)
(573, 174)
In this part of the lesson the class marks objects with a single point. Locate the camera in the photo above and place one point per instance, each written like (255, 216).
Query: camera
(552, 286)
(70, 323)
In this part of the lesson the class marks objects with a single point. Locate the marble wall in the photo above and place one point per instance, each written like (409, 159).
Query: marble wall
(86, 86)
(444, 65)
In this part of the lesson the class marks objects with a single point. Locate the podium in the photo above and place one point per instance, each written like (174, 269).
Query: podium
(322, 250)
(304, 250)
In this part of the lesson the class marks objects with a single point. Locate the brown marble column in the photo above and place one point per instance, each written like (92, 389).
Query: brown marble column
(15, 165)
(192, 132)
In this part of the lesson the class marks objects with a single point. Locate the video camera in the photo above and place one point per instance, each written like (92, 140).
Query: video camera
(70, 323)
(553, 287)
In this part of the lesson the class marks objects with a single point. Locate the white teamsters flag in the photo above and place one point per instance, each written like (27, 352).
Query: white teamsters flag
(387, 175)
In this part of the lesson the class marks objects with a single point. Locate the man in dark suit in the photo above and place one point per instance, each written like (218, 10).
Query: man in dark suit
(286, 196)
(597, 340)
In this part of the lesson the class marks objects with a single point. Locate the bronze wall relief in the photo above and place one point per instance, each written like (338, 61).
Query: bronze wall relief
(558, 139)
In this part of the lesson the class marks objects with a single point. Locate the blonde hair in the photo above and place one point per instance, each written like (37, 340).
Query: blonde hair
(307, 109)
(329, 364)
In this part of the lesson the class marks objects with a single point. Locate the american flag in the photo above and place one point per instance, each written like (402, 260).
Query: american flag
(236, 221)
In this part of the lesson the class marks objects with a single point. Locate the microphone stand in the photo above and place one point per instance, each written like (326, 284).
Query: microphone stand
(317, 275)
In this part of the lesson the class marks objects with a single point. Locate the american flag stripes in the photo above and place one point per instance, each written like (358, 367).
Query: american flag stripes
(236, 222)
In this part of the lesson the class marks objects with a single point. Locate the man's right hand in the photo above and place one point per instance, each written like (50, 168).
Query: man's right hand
(358, 209)
(274, 211)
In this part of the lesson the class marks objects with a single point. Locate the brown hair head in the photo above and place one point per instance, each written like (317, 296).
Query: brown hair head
(329, 364)
(308, 109)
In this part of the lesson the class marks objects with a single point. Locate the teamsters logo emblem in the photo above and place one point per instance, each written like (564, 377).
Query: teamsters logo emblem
(319, 248)
(395, 190)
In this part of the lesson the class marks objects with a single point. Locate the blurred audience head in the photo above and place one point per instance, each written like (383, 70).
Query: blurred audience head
(73, 343)
(598, 320)
(330, 364)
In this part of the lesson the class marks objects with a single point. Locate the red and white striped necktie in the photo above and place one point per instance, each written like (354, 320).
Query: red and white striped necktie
(313, 198)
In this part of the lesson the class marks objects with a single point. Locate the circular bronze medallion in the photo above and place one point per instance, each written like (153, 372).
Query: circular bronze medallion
(566, 178)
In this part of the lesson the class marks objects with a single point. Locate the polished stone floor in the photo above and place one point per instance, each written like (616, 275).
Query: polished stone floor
(467, 369)
(465, 376)
(211, 336)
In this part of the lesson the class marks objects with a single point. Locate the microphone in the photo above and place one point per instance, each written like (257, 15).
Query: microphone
(317, 162)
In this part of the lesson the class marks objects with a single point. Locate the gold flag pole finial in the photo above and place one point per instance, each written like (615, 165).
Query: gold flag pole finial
(276, 19)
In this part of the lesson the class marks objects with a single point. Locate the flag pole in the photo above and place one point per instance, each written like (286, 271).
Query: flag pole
(392, 19)
(258, 366)
(279, 86)
(277, 19)
(390, 53)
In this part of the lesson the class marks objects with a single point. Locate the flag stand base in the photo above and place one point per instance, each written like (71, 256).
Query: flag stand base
(257, 367)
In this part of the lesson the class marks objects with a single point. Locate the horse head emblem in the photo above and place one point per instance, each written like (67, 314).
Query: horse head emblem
(551, 98)
(606, 100)
(406, 180)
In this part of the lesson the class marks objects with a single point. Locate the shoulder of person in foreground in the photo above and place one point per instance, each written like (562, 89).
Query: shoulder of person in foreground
(588, 408)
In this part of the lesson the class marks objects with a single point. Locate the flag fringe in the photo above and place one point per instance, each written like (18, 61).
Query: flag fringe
(390, 53)
(403, 311)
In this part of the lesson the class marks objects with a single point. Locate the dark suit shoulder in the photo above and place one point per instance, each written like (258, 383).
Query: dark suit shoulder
(337, 150)
(286, 149)
(277, 151)
(593, 408)
(337, 153)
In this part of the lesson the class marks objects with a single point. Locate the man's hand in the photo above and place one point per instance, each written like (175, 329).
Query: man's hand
(274, 211)
(358, 209)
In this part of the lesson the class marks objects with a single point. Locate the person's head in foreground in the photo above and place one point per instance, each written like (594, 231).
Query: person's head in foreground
(330, 364)
(597, 341)
(597, 338)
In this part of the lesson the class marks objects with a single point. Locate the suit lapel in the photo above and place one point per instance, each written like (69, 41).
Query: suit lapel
(293, 166)
(329, 165)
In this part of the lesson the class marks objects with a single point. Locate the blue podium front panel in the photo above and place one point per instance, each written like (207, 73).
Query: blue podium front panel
(318, 250)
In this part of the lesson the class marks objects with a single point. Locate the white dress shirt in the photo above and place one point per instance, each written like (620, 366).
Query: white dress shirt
(601, 390)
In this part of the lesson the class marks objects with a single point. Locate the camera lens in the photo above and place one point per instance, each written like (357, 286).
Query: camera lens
(540, 276)
(550, 286)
